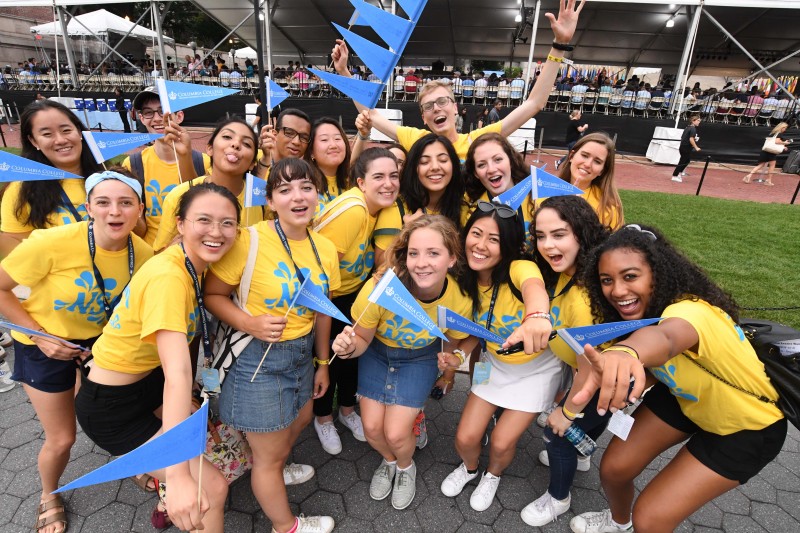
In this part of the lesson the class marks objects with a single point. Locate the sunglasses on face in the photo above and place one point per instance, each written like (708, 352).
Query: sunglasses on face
(502, 210)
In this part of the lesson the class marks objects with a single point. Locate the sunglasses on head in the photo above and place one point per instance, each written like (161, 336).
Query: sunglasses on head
(502, 210)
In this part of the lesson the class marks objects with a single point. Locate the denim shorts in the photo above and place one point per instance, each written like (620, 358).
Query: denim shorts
(34, 368)
(282, 387)
(397, 376)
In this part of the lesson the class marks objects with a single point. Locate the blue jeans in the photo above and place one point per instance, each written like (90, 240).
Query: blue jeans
(563, 455)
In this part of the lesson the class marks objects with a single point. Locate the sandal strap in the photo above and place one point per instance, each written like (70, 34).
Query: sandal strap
(52, 519)
(51, 504)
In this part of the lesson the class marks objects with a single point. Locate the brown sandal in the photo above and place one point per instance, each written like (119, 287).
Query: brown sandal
(59, 516)
(146, 482)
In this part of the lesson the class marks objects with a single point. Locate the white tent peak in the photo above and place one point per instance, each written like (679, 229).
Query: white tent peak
(100, 22)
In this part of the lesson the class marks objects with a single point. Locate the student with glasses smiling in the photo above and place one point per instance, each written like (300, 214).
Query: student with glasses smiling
(437, 102)
(290, 137)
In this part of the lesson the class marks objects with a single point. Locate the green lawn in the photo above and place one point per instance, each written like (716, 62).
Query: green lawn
(750, 249)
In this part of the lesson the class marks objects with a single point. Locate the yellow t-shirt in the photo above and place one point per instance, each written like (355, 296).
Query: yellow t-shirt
(611, 217)
(571, 309)
(159, 179)
(160, 297)
(65, 299)
(508, 310)
(275, 283)
(168, 226)
(390, 222)
(348, 224)
(9, 223)
(397, 332)
(327, 197)
(724, 350)
(527, 216)
(407, 136)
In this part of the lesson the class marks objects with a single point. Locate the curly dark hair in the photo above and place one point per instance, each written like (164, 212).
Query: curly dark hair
(519, 170)
(416, 196)
(511, 239)
(675, 277)
(583, 221)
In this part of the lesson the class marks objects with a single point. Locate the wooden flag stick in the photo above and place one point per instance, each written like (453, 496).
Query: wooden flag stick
(269, 347)
(354, 325)
(175, 153)
(199, 482)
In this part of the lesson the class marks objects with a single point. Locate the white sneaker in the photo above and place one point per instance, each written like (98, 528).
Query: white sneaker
(684, 174)
(541, 420)
(544, 510)
(314, 524)
(483, 495)
(584, 463)
(455, 482)
(295, 474)
(328, 437)
(596, 522)
(5, 339)
(6, 383)
(382, 479)
(405, 487)
(353, 423)
(677, 178)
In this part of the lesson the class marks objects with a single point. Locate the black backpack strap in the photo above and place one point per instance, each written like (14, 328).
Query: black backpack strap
(199, 164)
(515, 291)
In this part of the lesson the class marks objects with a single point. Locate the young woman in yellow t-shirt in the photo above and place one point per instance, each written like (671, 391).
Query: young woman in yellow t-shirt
(398, 359)
(272, 402)
(329, 154)
(51, 135)
(349, 224)
(732, 434)
(141, 380)
(77, 274)
(510, 300)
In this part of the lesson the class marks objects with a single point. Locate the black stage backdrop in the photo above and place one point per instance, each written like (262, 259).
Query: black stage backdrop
(727, 143)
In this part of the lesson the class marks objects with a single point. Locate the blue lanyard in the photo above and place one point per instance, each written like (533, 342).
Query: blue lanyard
(198, 291)
(98, 278)
(68, 204)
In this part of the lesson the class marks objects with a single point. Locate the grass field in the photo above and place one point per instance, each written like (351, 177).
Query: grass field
(750, 249)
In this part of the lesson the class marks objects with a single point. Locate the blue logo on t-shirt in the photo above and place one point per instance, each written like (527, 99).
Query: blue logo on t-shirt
(88, 301)
(155, 197)
(291, 285)
(666, 375)
(66, 215)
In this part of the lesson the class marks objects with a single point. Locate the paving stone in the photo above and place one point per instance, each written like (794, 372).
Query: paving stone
(758, 489)
(439, 513)
(324, 503)
(359, 504)
(709, 516)
(336, 476)
(470, 515)
(353, 525)
(297, 493)
(514, 493)
(113, 518)
(468, 527)
(130, 493)
(89, 500)
(23, 457)
(394, 520)
(17, 414)
(21, 434)
(741, 524)
(733, 502)
(454, 401)
(6, 476)
(8, 506)
(239, 522)
(780, 477)
(510, 521)
(25, 483)
(446, 423)
(773, 518)
(433, 408)
(310, 452)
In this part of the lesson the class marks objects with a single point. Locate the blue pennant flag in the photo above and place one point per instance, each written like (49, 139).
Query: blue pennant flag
(514, 196)
(413, 8)
(546, 185)
(29, 332)
(105, 145)
(599, 333)
(312, 297)
(378, 59)
(356, 21)
(177, 95)
(275, 94)
(449, 319)
(181, 443)
(391, 294)
(395, 31)
(16, 168)
(364, 92)
(255, 191)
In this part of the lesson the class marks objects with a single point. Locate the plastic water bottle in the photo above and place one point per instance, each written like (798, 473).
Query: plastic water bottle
(582, 442)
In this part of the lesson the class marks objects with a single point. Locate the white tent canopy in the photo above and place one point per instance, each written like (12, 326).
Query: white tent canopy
(245, 53)
(100, 22)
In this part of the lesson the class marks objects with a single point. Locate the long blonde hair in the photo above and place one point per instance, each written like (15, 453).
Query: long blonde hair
(777, 129)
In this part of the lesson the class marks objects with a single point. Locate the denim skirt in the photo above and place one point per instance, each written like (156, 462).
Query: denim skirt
(397, 376)
(281, 388)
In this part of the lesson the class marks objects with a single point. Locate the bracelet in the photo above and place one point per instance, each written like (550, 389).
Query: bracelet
(321, 361)
(363, 137)
(622, 348)
(563, 47)
(461, 354)
(569, 414)
(263, 164)
(555, 59)
(537, 314)
(445, 381)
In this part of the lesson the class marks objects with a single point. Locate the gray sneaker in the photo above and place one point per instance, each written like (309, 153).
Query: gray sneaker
(381, 485)
(405, 487)
(6, 383)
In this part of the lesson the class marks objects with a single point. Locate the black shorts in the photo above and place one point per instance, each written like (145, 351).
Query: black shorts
(738, 456)
(34, 368)
(120, 418)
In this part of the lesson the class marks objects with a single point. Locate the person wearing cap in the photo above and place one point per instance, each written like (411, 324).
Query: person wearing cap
(77, 274)
(157, 165)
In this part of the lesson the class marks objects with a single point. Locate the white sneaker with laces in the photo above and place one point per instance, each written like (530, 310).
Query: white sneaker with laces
(5, 339)
(584, 463)
(544, 510)
(328, 437)
(597, 522)
(314, 524)
(456, 480)
(6, 383)
(353, 423)
(541, 420)
(677, 178)
(483, 495)
(295, 474)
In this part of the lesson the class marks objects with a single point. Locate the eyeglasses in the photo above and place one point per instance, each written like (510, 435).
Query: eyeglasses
(637, 227)
(291, 134)
(203, 226)
(150, 113)
(502, 210)
(441, 102)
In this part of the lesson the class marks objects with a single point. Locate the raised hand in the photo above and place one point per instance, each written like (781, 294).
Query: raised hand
(564, 26)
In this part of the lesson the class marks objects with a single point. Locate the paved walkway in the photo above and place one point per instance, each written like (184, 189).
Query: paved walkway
(340, 488)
